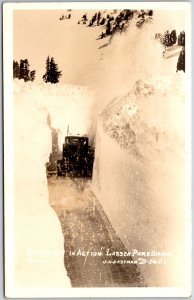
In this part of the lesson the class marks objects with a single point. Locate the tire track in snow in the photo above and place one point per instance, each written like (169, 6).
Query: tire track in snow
(84, 229)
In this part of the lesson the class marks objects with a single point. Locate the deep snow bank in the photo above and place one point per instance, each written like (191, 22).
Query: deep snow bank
(39, 244)
(139, 172)
(66, 104)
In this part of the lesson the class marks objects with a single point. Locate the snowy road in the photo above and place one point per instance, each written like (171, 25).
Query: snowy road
(86, 230)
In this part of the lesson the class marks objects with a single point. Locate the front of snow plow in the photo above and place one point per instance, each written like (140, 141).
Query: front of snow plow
(77, 158)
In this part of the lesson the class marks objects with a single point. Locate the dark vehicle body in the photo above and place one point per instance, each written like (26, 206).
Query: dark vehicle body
(77, 157)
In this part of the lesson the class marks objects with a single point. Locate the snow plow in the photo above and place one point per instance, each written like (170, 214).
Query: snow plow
(77, 157)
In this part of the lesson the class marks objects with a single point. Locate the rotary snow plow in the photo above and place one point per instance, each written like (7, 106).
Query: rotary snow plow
(77, 157)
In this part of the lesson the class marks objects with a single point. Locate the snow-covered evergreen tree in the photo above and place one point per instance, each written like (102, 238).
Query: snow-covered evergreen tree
(181, 61)
(16, 69)
(181, 39)
(32, 75)
(98, 18)
(52, 74)
(167, 39)
(108, 28)
(24, 70)
(21, 70)
(173, 37)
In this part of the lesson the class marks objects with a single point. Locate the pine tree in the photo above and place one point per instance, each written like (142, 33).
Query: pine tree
(16, 69)
(55, 74)
(108, 28)
(84, 17)
(98, 18)
(52, 74)
(32, 75)
(181, 39)
(22, 71)
(128, 14)
(167, 40)
(173, 37)
(46, 77)
(93, 19)
(181, 61)
(26, 71)
(21, 75)
(102, 22)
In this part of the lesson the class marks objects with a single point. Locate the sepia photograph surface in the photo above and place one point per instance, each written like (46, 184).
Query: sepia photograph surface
(97, 149)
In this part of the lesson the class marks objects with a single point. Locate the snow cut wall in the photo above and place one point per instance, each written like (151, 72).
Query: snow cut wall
(138, 172)
(39, 242)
